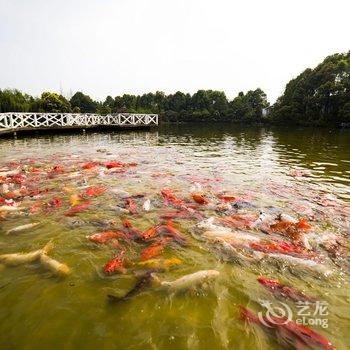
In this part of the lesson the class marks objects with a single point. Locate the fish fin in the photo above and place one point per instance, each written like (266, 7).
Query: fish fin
(156, 279)
(299, 345)
(48, 247)
(170, 223)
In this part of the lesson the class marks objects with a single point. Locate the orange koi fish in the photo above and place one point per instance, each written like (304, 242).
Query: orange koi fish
(173, 232)
(94, 191)
(184, 214)
(74, 200)
(151, 232)
(127, 223)
(57, 169)
(228, 197)
(170, 197)
(78, 208)
(131, 205)
(36, 207)
(104, 237)
(199, 198)
(111, 165)
(19, 179)
(116, 264)
(131, 230)
(282, 248)
(154, 250)
(291, 229)
(56, 202)
(88, 166)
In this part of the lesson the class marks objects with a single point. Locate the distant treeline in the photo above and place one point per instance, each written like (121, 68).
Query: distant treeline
(319, 96)
(204, 105)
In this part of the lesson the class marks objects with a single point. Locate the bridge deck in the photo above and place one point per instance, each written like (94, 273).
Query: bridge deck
(13, 122)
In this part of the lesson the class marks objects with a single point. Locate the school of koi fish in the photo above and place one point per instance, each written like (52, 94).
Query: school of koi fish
(143, 221)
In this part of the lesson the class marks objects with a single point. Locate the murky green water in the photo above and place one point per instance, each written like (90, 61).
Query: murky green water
(41, 311)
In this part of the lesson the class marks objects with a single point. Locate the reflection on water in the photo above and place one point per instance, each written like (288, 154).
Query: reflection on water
(302, 172)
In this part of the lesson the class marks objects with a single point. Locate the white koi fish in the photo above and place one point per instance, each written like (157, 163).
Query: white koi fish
(192, 280)
(10, 172)
(24, 258)
(22, 228)
(147, 205)
(263, 220)
(9, 208)
(293, 261)
(54, 266)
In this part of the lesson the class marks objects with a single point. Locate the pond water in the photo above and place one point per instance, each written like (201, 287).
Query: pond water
(238, 173)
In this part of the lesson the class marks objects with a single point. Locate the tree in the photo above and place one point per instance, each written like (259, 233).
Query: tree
(317, 96)
(248, 107)
(15, 101)
(55, 103)
(83, 102)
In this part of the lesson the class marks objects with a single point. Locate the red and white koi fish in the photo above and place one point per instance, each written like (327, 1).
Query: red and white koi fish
(280, 289)
(116, 264)
(288, 332)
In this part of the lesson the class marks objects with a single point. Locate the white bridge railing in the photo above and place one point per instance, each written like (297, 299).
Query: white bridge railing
(54, 120)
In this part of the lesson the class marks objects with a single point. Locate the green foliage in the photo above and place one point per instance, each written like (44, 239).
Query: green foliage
(15, 101)
(204, 105)
(248, 107)
(83, 102)
(52, 102)
(319, 96)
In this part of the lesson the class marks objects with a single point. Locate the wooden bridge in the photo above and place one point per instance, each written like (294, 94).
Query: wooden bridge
(13, 122)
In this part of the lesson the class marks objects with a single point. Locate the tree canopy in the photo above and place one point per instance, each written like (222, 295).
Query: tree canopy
(319, 96)
(204, 105)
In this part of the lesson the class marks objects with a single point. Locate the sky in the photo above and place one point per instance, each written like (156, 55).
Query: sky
(112, 47)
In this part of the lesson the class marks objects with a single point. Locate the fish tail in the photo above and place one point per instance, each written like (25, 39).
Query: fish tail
(114, 300)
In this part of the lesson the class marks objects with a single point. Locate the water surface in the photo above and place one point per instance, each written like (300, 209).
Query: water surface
(40, 311)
